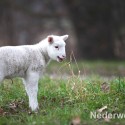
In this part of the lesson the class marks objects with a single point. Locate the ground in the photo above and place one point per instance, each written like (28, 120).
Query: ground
(68, 93)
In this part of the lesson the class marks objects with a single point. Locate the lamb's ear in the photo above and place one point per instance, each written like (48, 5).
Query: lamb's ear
(50, 39)
(65, 37)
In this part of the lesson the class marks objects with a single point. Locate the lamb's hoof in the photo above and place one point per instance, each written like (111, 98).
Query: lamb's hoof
(36, 111)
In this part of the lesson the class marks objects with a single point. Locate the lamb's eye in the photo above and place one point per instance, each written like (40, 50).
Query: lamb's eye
(56, 47)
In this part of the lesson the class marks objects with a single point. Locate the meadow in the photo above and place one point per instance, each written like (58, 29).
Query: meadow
(68, 93)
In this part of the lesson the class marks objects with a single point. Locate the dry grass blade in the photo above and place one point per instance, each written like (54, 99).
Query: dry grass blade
(102, 109)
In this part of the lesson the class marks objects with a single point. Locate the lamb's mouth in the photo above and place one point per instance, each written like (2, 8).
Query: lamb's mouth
(59, 59)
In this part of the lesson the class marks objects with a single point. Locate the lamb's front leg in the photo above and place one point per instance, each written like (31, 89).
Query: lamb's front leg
(31, 86)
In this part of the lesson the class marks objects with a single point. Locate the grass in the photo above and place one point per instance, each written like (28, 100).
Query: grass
(103, 68)
(63, 100)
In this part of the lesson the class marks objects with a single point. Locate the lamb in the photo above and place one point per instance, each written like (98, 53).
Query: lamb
(29, 61)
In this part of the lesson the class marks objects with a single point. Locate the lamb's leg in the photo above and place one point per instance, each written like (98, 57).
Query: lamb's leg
(31, 86)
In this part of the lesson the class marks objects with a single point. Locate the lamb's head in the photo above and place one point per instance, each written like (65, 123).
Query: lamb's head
(56, 47)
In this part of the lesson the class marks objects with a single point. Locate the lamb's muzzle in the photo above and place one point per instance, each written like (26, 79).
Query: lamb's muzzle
(60, 59)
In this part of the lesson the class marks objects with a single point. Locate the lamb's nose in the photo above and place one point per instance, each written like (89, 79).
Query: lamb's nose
(63, 56)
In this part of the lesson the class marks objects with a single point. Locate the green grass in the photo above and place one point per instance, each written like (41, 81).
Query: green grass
(61, 100)
(103, 68)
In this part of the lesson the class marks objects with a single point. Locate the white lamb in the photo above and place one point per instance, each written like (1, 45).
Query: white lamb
(29, 61)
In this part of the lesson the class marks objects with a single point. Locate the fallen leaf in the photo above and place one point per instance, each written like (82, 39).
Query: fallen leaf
(76, 121)
(1, 111)
(13, 105)
(105, 87)
(107, 119)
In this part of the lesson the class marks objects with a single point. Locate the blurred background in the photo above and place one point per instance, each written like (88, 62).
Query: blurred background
(96, 28)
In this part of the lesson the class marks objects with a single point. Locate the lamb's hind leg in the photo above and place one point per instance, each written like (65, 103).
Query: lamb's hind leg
(31, 86)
